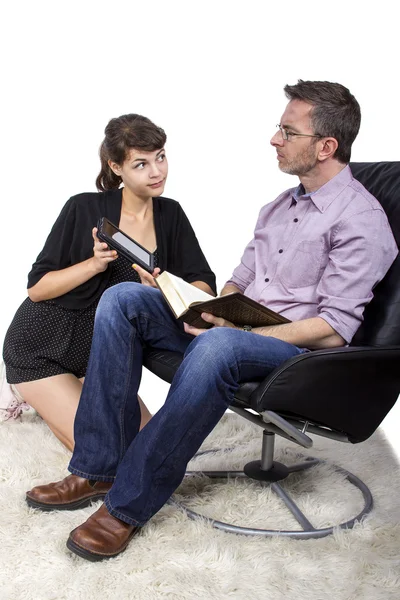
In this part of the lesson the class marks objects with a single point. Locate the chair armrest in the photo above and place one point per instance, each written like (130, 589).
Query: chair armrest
(349, 389)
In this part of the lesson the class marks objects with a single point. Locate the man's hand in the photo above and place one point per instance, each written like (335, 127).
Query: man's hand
(145, 277)
(311, 333)
(216, 321)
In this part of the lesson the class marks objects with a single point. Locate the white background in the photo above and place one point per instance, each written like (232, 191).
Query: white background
(211, 74)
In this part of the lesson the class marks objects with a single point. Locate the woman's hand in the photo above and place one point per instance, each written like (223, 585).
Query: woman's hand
(101, 253)
(145, 277)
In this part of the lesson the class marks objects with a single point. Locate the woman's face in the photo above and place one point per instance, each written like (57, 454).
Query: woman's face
(143, 173)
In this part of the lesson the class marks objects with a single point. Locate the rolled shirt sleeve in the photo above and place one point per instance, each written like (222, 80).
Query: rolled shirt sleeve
(360, 257)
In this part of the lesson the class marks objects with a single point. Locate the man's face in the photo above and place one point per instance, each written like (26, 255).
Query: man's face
(297, 155)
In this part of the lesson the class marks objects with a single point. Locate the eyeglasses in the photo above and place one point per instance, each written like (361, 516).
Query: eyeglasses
(288, 134)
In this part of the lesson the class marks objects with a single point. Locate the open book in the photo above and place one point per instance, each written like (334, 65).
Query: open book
(188, 302)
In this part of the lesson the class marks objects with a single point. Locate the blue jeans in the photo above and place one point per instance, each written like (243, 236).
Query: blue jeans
(147, 466)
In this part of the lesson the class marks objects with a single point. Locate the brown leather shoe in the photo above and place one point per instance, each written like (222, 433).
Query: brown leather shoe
(69, 494)
(101, 536)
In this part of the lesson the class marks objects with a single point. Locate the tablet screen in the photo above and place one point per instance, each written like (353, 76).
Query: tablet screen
(132, 247)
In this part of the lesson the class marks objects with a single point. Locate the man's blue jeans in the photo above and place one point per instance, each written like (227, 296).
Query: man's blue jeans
(147, 466)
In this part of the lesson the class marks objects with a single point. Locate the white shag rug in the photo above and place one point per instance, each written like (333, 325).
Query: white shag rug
(176, 558)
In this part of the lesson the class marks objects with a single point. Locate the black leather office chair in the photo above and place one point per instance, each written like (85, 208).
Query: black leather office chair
(341, 393)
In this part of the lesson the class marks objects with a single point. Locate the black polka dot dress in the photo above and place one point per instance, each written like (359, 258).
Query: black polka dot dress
(46, 339)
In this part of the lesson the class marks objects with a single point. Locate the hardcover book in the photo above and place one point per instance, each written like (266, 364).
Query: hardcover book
(188, 302)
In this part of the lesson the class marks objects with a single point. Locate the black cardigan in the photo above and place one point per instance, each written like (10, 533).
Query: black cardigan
(70, 242)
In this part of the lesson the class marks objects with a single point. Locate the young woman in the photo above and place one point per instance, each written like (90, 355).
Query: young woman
(46, 348)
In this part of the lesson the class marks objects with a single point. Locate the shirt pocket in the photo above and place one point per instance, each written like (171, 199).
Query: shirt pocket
(304, 264)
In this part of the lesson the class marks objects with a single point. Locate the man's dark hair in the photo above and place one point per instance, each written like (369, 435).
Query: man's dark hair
(335, 113)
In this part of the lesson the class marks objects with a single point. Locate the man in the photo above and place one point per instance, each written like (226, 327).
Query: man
(317, 253)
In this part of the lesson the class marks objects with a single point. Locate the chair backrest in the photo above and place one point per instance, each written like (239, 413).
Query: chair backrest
(381, 326)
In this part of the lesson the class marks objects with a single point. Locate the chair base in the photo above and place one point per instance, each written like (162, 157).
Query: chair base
(276, 473)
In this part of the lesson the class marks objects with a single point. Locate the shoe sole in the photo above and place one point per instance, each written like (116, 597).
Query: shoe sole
(71, 506)
(92, 556)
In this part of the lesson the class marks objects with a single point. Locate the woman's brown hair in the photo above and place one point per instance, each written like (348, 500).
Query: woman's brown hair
(121, 135)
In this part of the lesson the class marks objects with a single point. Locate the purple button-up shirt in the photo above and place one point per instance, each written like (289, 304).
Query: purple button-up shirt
(319, 254)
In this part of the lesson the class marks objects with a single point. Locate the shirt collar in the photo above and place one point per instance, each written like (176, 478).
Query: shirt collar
(326, 194)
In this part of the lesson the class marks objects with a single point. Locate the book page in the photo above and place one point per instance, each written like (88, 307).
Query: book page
(170, 294)
(188, 293)
(178, 293)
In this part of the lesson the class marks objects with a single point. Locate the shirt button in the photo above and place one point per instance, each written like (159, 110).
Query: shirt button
(295, 220)
(280, 251)
(266, 279)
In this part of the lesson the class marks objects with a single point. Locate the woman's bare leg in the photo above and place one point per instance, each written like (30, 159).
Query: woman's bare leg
(144, 411)
(56, 400)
